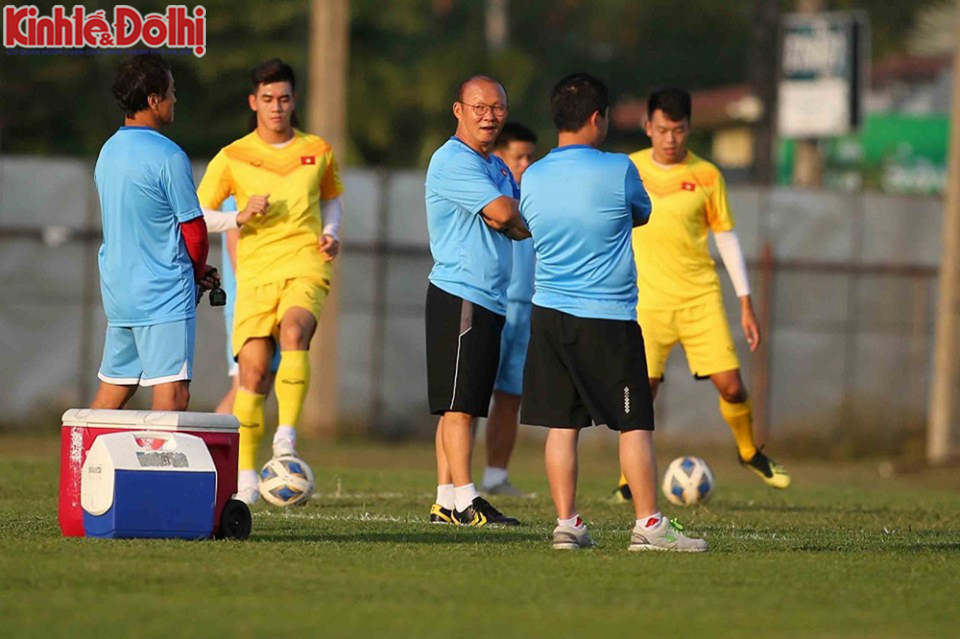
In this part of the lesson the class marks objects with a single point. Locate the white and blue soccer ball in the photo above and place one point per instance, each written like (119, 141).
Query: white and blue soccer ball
(688, 481)
(286, 481)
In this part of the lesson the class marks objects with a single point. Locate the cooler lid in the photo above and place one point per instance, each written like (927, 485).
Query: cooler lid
(150, 420)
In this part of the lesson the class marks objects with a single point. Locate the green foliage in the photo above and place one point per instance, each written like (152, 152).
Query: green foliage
(406, 59)
(403, 80)
(62, 105)
(890, 22)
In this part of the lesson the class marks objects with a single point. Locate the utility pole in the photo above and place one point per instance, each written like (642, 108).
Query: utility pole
(807, 162)
(943, 413)
(327, 117)
(764, 72)
(497, 27)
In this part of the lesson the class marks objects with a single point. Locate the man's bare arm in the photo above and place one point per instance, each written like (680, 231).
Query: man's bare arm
(503, 215)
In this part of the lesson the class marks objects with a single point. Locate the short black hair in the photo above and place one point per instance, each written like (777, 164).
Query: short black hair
(575, 98)
(273, 70)
(138, 78)
(514, 131)
(673, 101)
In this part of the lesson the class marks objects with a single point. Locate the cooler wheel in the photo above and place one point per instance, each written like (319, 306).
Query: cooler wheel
(235, 521)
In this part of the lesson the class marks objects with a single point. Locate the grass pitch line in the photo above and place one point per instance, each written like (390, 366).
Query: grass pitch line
(339, 494)
(362, 517)
(381, 495)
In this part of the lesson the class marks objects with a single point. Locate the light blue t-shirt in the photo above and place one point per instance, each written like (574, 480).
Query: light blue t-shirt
(581, 205)
(471, 260)
(228, 278)
(146, 191)
(521, 277)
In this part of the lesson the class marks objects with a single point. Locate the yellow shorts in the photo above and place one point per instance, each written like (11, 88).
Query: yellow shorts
(260, 307)
(701, 330)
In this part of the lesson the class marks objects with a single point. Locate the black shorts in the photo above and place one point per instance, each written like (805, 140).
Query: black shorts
(463, 353)
(581, 371)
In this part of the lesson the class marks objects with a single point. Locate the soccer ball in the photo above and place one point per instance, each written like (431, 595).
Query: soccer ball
(688, 481)
(286, 481)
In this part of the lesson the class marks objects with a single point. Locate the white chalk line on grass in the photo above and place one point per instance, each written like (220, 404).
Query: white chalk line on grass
(368, 517)
(362, 517)
(380, 495)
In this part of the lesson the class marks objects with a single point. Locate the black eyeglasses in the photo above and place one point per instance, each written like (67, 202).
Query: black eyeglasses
(481, 110)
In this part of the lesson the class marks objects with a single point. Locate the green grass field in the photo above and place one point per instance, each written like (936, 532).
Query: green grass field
(843, 553)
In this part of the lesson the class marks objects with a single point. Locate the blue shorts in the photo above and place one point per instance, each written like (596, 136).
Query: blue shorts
(232, 368)
(513, 348)
(149, 355)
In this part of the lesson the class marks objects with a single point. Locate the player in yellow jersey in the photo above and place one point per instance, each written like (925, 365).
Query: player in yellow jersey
(289, 180)
(680, 299)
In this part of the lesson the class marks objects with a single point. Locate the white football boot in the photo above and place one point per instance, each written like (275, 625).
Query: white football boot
(248, 487)
(571, 538)
(283, 446)
(665, 536)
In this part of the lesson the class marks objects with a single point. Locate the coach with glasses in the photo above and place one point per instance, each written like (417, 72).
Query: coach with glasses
(472, 216)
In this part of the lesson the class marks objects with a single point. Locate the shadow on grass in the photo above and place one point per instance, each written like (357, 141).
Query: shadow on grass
(879, 548)
(437, 538)
(795, 508)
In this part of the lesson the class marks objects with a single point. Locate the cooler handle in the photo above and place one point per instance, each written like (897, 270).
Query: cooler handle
(154, 440)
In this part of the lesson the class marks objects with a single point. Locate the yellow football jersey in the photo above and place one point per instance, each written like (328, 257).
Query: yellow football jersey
(674, 267)
(282, 243)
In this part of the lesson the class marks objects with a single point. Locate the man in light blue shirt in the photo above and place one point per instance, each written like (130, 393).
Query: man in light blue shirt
(516, 146)
(153, 257)
(585, 363)
(472, 216)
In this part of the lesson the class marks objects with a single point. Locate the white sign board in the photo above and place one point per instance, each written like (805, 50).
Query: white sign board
(823, 71)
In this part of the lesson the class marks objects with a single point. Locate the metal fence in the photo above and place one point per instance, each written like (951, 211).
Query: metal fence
(846, 291)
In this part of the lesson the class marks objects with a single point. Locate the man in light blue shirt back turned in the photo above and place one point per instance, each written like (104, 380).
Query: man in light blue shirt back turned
(517, 147)
(585, 363)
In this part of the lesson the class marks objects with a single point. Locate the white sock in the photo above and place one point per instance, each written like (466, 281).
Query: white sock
(445, 496)
(573, 522)
(650, 521)
(493, 476)
(464, 495)
(288, 432)
(247, 479)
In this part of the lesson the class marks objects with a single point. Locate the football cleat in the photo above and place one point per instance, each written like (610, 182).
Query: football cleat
(769, 471)
(248, 487)
(571, 538)
(481, 513)
(666, 536)
(440, 515)
(283, 447)
(249, 496)
(622, 494)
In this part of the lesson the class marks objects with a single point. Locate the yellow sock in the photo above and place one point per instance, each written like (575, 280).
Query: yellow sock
(248, 409)
(293, 379)
(623, 481)
(740, 419)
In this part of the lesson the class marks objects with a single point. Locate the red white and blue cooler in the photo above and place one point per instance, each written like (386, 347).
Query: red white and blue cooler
(148, 484)
(82, 427)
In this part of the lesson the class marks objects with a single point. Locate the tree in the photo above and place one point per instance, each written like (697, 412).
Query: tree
(407, 59)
